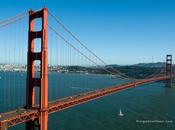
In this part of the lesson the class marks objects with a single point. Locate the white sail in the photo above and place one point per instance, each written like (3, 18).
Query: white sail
(120, 113)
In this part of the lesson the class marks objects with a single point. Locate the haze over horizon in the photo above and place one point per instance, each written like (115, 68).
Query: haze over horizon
(121, 32)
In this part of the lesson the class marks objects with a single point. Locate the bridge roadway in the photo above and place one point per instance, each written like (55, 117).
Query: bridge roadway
(22, 115)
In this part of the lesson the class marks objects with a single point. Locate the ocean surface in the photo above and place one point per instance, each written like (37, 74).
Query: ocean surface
(147, 107)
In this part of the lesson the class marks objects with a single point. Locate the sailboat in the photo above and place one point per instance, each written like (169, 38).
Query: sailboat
(120, 113)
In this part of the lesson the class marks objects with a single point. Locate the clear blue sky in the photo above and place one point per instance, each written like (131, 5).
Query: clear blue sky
(119, 31)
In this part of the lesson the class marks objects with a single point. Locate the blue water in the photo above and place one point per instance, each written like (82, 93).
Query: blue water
(150, 102)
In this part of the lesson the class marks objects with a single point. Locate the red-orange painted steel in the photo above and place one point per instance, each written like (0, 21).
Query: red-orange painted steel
(42, 81)
(44, 75)
(13, 118)
(31, 112)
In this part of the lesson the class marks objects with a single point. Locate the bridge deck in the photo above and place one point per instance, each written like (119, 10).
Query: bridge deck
(22, 115)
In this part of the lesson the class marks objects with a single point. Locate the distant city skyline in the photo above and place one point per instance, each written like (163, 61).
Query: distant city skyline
(121, 32)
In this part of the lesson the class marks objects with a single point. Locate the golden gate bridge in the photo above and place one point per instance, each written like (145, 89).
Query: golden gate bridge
(36, 114)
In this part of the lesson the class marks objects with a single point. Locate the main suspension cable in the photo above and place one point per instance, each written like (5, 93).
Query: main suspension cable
(77, 39)
(14, 21)
(76, 49)
(13, 17)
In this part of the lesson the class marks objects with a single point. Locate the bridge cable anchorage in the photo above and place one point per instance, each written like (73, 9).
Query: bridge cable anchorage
(83, 45)
(76, 49)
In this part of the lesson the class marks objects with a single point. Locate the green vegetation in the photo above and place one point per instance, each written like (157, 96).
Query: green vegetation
(131, 71)
(137, 71)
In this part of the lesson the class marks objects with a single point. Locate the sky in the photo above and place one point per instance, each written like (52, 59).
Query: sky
(119, 31)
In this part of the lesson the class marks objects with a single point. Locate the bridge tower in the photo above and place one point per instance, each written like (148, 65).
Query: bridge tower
(42, 81)
(169, 70)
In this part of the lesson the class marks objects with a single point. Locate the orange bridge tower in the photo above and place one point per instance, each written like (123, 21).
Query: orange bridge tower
(42, 81)
(169, 70)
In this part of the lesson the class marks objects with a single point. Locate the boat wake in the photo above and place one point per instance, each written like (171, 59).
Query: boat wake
(81, 88)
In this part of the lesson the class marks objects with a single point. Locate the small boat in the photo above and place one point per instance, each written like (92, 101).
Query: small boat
(120, 113)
